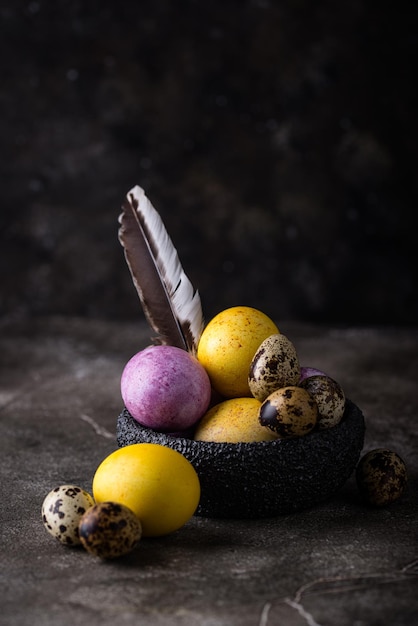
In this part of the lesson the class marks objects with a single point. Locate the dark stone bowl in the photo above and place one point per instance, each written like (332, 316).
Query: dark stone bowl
(266, 479)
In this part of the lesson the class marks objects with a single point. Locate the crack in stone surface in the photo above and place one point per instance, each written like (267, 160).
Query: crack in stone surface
(302, 612)
(264, 614)
(338, 584)
(103, 432)
(349, 583)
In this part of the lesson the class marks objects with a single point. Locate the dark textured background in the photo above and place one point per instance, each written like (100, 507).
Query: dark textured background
(277, 140)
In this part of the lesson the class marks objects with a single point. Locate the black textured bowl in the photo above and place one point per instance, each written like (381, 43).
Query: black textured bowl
(266, 479)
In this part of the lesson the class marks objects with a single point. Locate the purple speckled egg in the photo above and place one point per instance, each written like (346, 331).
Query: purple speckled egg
(165, 388)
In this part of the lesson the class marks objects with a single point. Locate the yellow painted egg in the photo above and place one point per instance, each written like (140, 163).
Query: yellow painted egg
(157, 483)
(233, 421)
(228, 344)
(274, 365)
(289, 412)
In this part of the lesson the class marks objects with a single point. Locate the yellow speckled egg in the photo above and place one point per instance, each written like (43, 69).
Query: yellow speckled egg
(290, 412)
(274, 365)
(227, 347)
(232, 421)
(381, 477)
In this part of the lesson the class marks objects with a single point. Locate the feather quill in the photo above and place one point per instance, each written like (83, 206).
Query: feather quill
(170, 303)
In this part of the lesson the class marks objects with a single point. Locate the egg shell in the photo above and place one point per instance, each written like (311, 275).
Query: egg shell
(329, 396)
(227, 346)
(157, 483)
(234, 420)
(62, 510)
(274, 365)
(165, 388)
(381, 477)
(109, 530)
(290, 412)
(306, 372)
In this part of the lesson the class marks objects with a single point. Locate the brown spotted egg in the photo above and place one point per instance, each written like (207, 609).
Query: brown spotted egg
(274, 365)
(62, 510)
(381, 476)
(109, 530)
(329, 397)
(289, 412)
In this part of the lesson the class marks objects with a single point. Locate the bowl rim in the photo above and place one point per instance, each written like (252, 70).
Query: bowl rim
(279, 443)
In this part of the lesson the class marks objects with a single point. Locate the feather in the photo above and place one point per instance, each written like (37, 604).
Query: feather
(170, 303)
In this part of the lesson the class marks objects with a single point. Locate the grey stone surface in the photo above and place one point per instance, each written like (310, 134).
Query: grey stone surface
(340, 563)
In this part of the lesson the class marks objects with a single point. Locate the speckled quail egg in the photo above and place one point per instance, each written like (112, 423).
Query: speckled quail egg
(290, 412)
(61, 512)
(329, 397)
(381, 476)
(109, 530)
(274, 365)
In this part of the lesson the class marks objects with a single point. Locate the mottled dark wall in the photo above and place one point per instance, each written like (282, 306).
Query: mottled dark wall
(277, 140)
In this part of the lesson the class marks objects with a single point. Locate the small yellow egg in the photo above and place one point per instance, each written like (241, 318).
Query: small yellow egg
(232, 421)
(227, 347)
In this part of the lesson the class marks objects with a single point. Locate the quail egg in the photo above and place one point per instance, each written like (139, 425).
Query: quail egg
(109, 530)
(61, 512)
(274, 365)
(290, 412)
(381, 476)
(329, 397)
